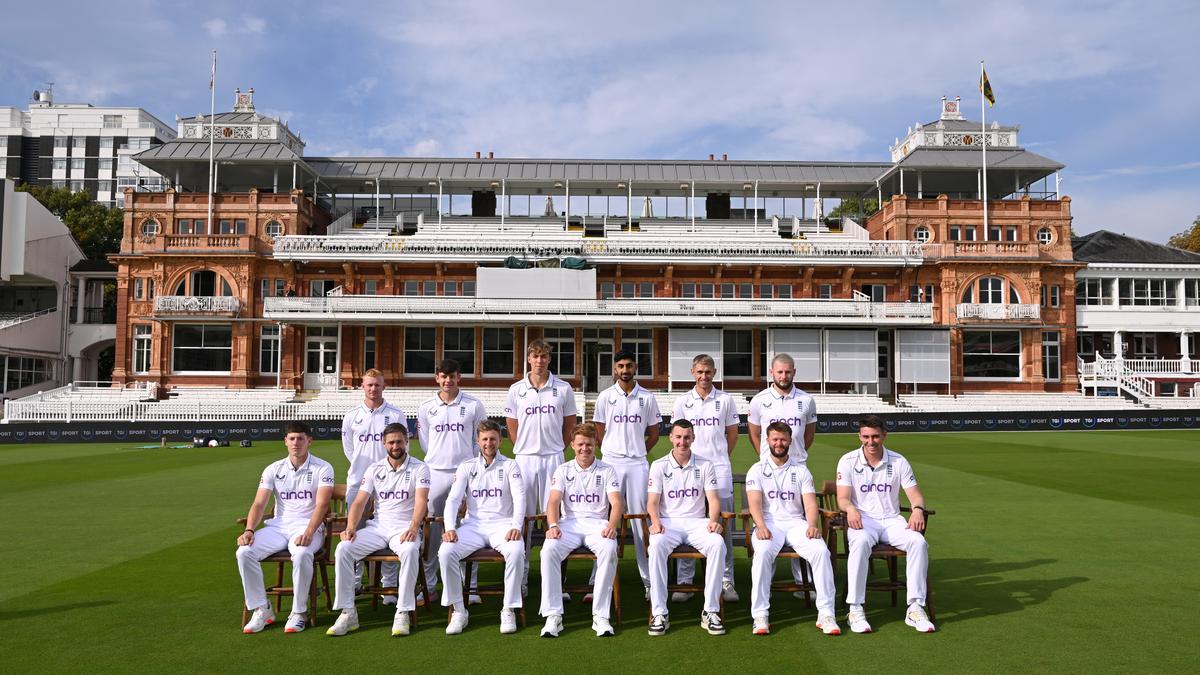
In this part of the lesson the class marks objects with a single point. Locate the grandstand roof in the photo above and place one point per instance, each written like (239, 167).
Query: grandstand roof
(1104, 246)
(93, 266)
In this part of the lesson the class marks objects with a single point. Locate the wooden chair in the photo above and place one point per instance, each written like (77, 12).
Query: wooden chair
(885, 552)
(486, 554)
(585, 553)
(282, 558)
(806, 586)
(683, 552)
(374, 562)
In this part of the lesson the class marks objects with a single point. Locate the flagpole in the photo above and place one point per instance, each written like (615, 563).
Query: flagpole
(983, 144)
(212, 94)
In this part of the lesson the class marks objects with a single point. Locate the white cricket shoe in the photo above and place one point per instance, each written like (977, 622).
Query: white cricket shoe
(659, 625)
(347, 621)
(602, 627)
(711, 622)
(260, 619)
(553, 626)
(680, 596)
(402, 624)
(508, 621)
(296, 623)
(728, 592)
(857, 619)
(762, 625)
(828, 624)
(458, 621)
(917, 618)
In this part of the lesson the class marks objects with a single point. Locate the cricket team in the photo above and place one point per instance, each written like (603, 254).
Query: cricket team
(480, 498)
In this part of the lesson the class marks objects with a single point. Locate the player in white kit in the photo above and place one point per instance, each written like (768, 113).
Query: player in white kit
(301, 485)
(584, 510)
(714, 419)
(399, 485)
(362, 442)
(627, 423)
(446, 426)
(869, 481)
(540, 412)
(494, 491)
(783, 402)
(684, 509)
(783, 504)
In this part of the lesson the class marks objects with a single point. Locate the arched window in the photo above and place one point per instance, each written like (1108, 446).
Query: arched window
(204, 283)
(922, 234)
(991, 291)
(274, 229)
(149, 228)
(1045, 236)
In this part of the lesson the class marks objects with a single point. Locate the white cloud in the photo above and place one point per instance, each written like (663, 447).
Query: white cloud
(426, 147)
(1154, 214)
(216, 27)
(254, 24)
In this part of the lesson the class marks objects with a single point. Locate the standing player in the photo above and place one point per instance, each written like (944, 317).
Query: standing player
(399, 484)
(446, 426)
(362, 441)
(494, 492)
(714, 419)
(587, 493)
(783, 504)
(683, 490)
(302, 485)
(540, 412)
(627, 421)
(869, 481)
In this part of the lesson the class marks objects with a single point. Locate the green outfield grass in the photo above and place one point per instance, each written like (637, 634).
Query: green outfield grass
(1055, 551)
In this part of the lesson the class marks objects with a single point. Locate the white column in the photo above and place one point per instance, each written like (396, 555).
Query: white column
(1118, 346)
(1185, 358)
(79, 286)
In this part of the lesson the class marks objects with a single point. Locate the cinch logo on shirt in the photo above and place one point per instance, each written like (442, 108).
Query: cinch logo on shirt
(683, 493)
(546, 409)
(296, 494)
(790, 421)
(875, 487)
(487, 492)
(632, 419)
(369, 437)
(394, 494)
(782, 495)
(584, 499)
(450, 426)
(707, 422)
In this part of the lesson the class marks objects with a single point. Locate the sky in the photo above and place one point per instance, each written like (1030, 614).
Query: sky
(1110, 89)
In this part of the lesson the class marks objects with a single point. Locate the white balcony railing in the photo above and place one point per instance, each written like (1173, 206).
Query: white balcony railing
(1162, 366)
(656, 310)
(997, 312)
(195, 305)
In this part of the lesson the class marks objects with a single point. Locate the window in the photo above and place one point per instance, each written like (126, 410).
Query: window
(459, 344)
(955, 233)
(1051, 356)
(1095, 343)
(992, 354)
(498, 351)
(79, 142)
(994, 233)
(21, 371)
(766, 291)
(562, 361)
(268, 349)
(824, 291)
(922, 234)
(991, 291)
(237, 226)
(640, 341)
(745, 290)
(646, 289)
(784, 291)
(687, 290)
(60, 141)
(450, 287)
(1010, 233)
(1051, 296)
(419, 345)
(273, 228)
(627, 289)
(264, 287)
(59, 184)
(468, 288)
(918, 293)
(370, 287)
(139, 288)
(1091, 292)
(104, 186)
(412, 287)
(77, 165)
(106, 143)
(968, 233)
(141, 348)
(184, 226)
(877, 292)
(607, 290)
(429, 287)
(203, 283)
(138, 143)
(112, 122)
(76, 186)
(1191, 292)
(1045, 236)
(369, 348)
(202, 348)
(59, 165)
(280, 288)
(1146, 292)
(149, 227)
(737, 353)
(106, 165)
(1145, 345)
(726, 290)
(707, 290)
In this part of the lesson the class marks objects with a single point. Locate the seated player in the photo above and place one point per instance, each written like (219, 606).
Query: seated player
(302, 485)
(783, 504)
(494, 492)
(869, 481)
(587, 493)
(399, 484)
(681, 492)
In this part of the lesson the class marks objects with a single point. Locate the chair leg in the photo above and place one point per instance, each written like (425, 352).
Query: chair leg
(245, 616)
(893, 577)
(312, 604)
(278, 585)
(617, 599)
(325, 582)
(806, 579)
(929, 598)
(374, 578)
(424, 591)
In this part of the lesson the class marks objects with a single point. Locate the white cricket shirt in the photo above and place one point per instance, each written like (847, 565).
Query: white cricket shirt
(625, 418)
(493, 492)
(295, 489)
(539, 414)
(395, 491)
(362, 437)
(875, 492)
(710, 417)
(585, 491)
(682, 487)
(795, 409)
(782, 488)
(447, 430)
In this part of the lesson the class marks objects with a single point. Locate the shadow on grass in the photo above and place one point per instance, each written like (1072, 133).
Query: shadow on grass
(55, 609)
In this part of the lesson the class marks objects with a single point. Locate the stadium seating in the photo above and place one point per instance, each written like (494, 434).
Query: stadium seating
(1173, 402)
(1033, 402)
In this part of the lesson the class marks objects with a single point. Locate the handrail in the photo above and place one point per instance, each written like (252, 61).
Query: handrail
(22, 318)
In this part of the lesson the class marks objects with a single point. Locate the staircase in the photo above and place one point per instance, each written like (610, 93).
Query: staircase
(1112, 373)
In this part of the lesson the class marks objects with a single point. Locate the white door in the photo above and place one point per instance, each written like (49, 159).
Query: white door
(320, 371)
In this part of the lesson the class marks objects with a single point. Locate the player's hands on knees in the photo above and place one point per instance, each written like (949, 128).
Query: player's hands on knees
(349, 534)
(916, 521)
(513, 535)
(715, 526)
(608, 532)
(247, 538)
(656, 528)
(449, 536)
(409, 535)
(763, 533)
(854, 519)
(553, 533)
(813, 532)
(303, 539)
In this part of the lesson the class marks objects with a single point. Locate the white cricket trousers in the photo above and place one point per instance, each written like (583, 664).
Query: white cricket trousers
(694, 532)
(267, 541)
(687, 568)
(390, 570)
(578, 532)
(793, 533)
(367, 541)
(440, 481)
(894, 532)
(536, 472)
(634, 474)
(472, 536)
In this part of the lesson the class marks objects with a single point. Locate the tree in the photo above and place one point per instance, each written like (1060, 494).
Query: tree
(1189, 240)
(852, 207)
(96, 227)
